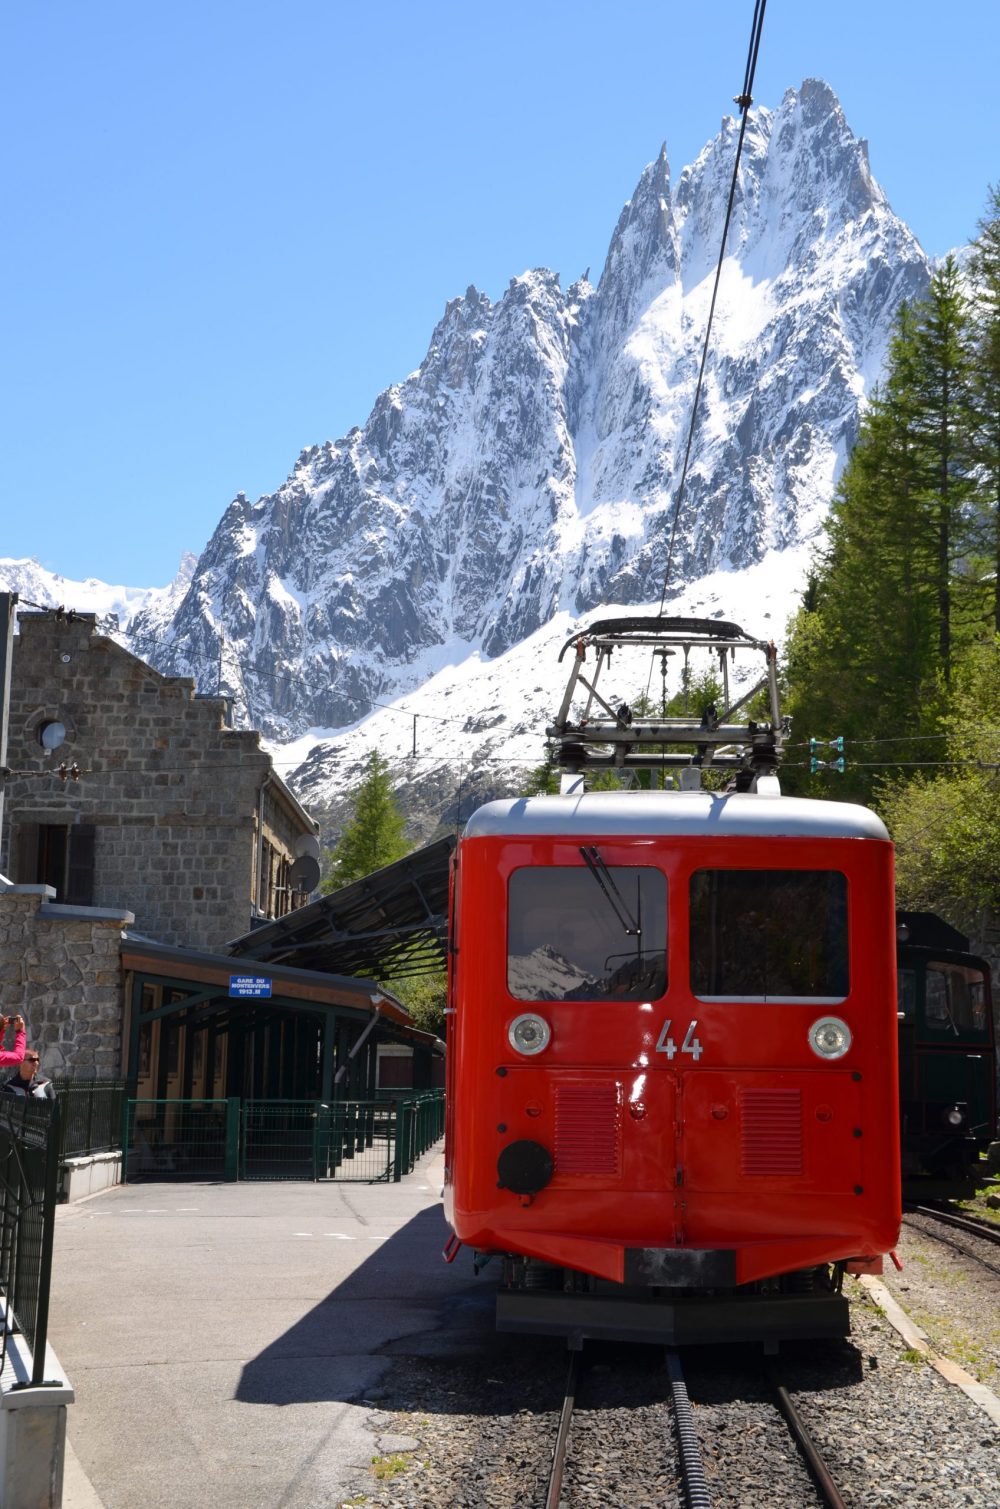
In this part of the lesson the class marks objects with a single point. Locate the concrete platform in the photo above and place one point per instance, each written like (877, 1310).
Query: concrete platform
(221, 1337)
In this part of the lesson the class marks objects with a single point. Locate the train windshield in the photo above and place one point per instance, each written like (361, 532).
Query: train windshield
(587, 933)
(955, 1000)
(769, 935)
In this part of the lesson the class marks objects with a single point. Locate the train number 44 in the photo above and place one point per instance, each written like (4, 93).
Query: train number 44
(665, 1043)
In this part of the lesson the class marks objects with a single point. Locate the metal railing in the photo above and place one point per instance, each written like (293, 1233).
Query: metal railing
(90, 1116)
(352, 1141)
(29, 1169)
(421, 1118)
(179, 1139)
(282, 1139)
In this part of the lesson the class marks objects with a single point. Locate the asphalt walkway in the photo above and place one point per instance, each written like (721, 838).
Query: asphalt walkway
(222, 1337)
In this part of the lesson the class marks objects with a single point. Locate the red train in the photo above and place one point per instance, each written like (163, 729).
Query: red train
(673, 1103)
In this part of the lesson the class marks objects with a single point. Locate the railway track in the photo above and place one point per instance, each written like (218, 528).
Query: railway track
(693, 1484)
(967, 1225)
(818, 1470)
(553, 1492)
(961, 1221)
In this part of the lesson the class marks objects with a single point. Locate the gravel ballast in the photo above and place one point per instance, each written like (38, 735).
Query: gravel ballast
(892, 1430)
(950, 1286)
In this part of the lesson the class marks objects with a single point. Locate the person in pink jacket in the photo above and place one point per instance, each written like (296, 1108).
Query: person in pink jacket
(16, 1054)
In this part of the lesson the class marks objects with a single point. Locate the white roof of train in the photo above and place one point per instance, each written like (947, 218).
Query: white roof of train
(738, 815)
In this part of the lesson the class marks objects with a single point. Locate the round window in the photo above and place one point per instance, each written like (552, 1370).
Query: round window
(51, 734)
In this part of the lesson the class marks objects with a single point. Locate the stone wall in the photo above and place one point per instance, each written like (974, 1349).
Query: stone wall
(168, 793)
(60, 968)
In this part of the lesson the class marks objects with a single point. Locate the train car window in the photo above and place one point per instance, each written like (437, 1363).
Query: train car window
(955, 1000)
(567, 940)
(906, 994)
(769, 935)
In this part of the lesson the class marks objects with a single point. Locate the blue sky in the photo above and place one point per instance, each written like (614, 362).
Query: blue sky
(231, 223)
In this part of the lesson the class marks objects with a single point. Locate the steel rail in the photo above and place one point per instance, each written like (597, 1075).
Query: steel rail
(553, 1492)
(971, 1228)
(967, 1223)
(828, 1490)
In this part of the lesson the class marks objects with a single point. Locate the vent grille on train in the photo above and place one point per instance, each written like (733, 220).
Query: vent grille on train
(588, 1129)
(771, 1140)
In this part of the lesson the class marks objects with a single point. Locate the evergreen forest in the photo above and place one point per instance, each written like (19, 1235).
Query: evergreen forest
(896, 647)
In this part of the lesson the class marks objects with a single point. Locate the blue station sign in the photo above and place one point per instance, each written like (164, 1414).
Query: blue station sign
(255, 986)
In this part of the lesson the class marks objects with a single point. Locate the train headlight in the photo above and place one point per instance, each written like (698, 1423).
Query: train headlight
(529, 1033)
(953, 1117)
(830, 1037)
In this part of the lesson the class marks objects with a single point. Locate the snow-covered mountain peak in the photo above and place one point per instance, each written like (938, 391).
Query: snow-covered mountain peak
(643, 257)
(114, 607)
(530, 466)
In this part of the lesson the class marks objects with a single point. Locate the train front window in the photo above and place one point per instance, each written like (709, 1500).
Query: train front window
(769, 935)
(955, 1000)
(587, 933)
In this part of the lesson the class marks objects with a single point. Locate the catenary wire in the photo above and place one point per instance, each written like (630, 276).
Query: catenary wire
(290, 677)
(744, 100)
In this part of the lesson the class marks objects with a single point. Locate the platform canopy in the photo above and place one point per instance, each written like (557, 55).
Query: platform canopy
(391, 924)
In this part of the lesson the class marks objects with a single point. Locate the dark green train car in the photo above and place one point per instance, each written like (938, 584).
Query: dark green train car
(947, 1056)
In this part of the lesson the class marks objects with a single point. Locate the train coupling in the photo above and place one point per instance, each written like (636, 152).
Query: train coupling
(864, 1265)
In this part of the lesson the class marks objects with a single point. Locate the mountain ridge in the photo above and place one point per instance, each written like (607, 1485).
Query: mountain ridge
(528, 468)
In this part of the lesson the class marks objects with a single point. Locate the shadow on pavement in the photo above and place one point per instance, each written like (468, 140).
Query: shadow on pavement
(405, 1302)
(402, 1301)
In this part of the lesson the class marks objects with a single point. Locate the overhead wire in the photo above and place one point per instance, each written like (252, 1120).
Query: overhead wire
(744, 100)
(430, 762)
(291, 678)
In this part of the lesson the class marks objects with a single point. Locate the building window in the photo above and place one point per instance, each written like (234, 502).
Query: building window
(60, 855)
(52, 735)
(275, 896)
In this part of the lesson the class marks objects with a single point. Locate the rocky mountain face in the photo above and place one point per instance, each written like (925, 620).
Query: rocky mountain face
(529, 466)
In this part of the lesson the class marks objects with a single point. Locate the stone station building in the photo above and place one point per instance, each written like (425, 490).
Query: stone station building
(128, 804)
(128, 789)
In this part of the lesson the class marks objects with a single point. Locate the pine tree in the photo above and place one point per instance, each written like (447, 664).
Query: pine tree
(897, 590)
(543, 780)
(984, 271)
(945, 824)
(862, 654)
(375, 835)
(940, 382)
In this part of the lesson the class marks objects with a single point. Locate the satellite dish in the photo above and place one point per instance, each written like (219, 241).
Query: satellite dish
(307, 843)
(304, 874)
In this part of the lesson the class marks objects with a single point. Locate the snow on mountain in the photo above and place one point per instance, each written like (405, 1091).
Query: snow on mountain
(525, 475)
(480, 723)
(115, 607)
(529, 467)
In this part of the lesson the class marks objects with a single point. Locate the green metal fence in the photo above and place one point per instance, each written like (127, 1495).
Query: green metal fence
(178, 1139)
(29, 1159)
(421, 1120)
(90, 1116)
(359, 1141)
